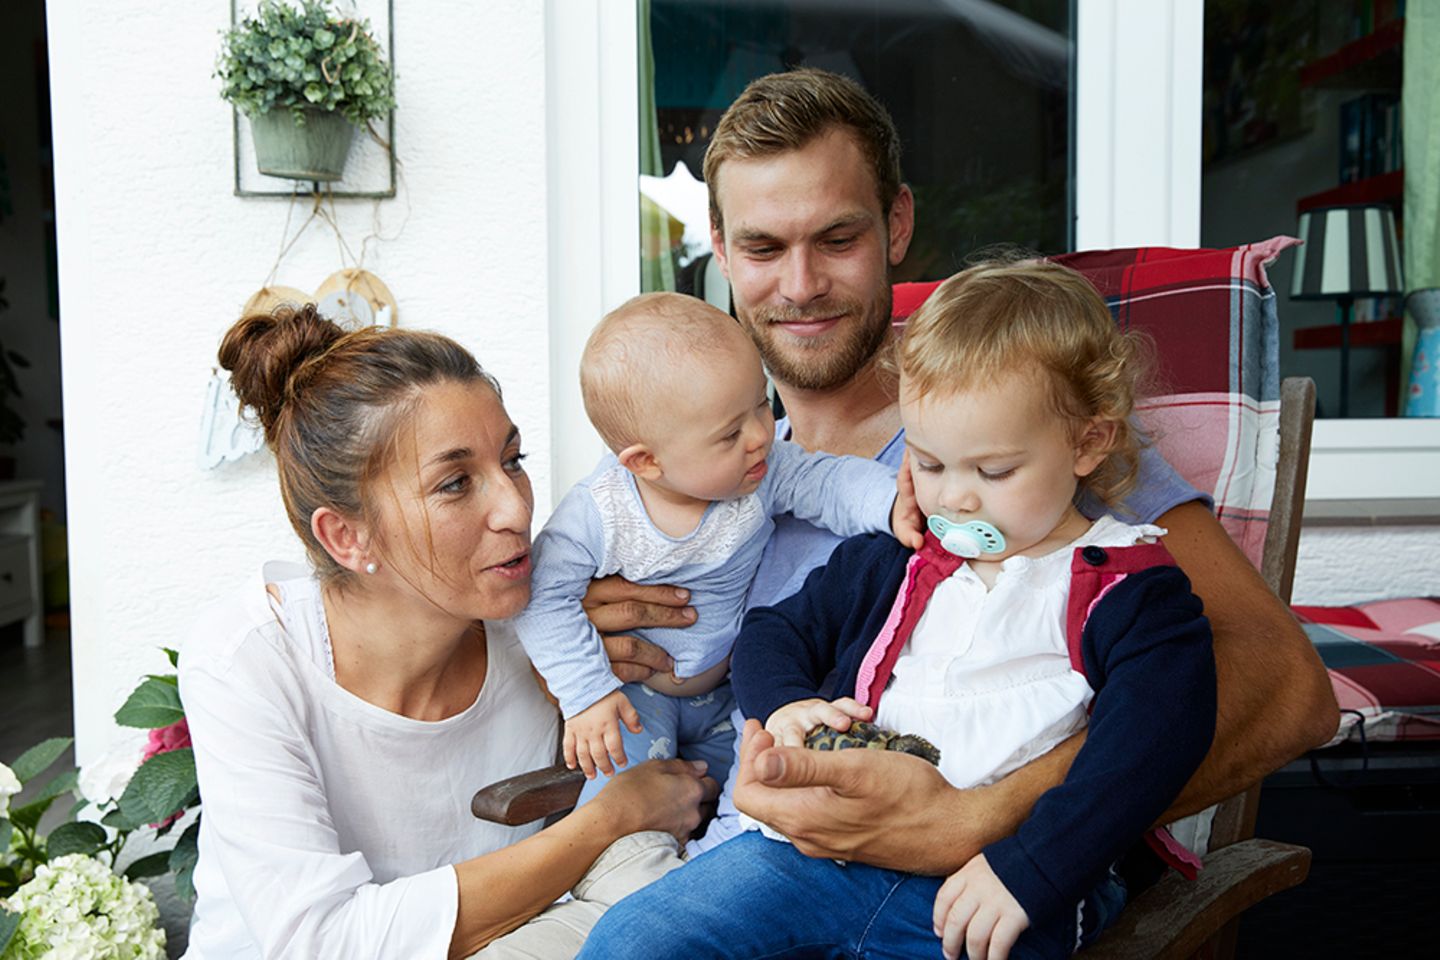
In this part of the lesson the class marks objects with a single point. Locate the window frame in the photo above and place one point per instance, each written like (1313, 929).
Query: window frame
(593, 168)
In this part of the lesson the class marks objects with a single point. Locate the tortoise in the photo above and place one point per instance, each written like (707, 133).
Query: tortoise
(869, 736)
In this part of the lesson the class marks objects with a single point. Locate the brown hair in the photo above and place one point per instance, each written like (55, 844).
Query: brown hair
(645, 347)
(331, 404)
(785, 111)
(999, 317)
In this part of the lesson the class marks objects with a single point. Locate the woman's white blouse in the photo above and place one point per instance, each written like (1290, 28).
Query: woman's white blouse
(329, 826)
(986, 675)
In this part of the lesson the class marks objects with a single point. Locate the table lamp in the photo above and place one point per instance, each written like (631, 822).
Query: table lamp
(1349, 252)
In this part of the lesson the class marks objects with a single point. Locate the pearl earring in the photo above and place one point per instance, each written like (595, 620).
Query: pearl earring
(371, 567)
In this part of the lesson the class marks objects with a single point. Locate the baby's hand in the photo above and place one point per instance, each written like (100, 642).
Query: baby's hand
(907, 522)
(592, 736)
(973, 910)
(790, 723)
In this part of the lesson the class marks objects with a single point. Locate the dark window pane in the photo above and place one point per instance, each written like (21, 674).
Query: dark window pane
(980, 92)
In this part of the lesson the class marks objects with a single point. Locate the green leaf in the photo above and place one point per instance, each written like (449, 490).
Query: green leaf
(169, 678)
(153, 704)
(151, 866)
(122, 818)
(5, 831)
(28, 816)
(183, 859)
(9, 881)
(173, 655)
(324, 39)
(64, 783)
(81, 837)
(164, 784)
(38, 757)
(9, 923)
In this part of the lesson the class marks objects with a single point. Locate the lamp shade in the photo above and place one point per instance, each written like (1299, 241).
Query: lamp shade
(1348, 252)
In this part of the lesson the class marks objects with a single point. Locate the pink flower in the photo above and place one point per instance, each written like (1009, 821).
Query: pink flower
(165, 739)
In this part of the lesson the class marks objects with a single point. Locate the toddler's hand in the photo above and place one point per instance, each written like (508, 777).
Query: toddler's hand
(973, 910)
(592, 736)
(906, 519)
(790, 723)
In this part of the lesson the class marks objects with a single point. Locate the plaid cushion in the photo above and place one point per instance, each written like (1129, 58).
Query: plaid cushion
(1384, 662)
(1212, 317)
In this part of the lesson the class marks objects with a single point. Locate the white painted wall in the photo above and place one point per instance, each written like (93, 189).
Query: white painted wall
(157, 256)
(1344, 565)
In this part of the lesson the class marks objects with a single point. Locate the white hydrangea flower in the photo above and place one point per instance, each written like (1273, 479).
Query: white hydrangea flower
(106, 778)
(9, 786)
(75, 906)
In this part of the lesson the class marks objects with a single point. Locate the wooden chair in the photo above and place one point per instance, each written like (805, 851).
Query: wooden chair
(1180, 299)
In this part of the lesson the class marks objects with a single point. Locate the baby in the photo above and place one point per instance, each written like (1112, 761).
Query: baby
(677, 391)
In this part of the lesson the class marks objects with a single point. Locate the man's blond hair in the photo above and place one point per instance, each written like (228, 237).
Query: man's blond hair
(786, 111)
(1005, 316)
(641, 353)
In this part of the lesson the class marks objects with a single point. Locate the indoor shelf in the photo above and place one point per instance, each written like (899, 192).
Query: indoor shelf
(1371, 61)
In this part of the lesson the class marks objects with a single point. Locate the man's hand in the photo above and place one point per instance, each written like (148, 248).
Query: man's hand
(907, 520)
(879, 807)
(790, 723)
(592, 736)
(973, 910)
(616, 606)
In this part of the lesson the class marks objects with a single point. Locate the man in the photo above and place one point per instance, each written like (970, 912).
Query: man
(809, 215)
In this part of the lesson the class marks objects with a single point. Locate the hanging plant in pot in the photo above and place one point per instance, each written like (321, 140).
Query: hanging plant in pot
(306, 77)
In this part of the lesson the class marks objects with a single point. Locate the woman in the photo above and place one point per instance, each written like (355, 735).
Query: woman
(342, 715)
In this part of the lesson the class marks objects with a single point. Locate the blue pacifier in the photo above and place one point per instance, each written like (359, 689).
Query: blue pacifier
(968, 540)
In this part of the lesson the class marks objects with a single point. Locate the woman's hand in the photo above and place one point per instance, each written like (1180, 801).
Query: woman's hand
(792, 722)
(907, 520)
(663, 795)
(973, 910)
(616, 606)
(592, 736)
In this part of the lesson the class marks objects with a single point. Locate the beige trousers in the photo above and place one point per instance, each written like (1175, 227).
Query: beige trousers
(557, 934)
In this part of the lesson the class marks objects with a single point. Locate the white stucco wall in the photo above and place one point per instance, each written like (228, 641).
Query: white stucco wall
(157, 256)
(1351, 564)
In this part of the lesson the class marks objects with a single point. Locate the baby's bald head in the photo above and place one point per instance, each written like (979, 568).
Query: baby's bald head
(640, 357)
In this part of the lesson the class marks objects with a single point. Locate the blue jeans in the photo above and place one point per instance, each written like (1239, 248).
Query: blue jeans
(753, 899)
(694, 728)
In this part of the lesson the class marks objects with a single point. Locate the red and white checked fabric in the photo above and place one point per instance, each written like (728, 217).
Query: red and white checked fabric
(1384, 663)
(1215, 413)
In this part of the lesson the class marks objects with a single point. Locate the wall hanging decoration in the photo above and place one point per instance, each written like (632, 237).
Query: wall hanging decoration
(306, 75)
(225, 433)
(356, 298)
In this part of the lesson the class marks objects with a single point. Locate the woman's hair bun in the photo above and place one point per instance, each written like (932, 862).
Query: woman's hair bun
(264, 351)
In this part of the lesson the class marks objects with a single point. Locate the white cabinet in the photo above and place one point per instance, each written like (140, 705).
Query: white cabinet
(20, 597)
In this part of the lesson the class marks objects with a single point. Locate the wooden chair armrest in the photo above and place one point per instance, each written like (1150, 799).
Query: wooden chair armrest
(529, 796)
(1174, 918)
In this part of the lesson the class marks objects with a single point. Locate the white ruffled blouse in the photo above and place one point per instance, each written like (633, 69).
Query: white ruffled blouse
(986, 674)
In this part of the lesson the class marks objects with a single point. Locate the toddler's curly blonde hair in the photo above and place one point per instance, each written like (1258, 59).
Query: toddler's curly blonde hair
(1005, 316)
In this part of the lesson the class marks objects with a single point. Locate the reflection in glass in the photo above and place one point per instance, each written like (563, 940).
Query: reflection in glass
(980, 92)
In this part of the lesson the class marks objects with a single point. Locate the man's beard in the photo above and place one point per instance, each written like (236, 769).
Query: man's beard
(830, 360)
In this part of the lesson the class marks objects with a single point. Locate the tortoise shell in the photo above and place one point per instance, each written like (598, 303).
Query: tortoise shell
(869, 736)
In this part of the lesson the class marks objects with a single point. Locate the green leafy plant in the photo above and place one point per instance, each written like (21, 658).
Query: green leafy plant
(12, 425)
(305, 57)
(131, 789)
